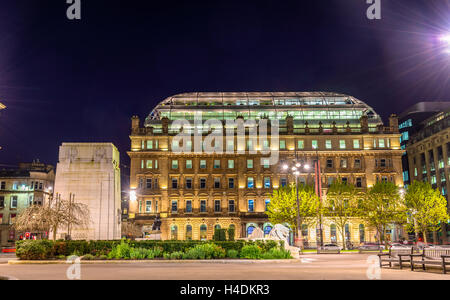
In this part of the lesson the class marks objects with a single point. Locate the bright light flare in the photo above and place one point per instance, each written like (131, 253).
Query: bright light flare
(445, 39)
(133, 196)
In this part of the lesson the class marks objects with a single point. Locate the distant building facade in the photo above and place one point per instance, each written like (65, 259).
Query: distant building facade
(429, 158)
(28, 184)
(195, 192)
(411, 122)
(90, 172)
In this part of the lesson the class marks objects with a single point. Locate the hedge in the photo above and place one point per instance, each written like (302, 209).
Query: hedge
(46, 249)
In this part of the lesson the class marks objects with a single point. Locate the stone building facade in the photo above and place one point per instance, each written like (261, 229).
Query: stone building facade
(429, 159)
(90, 172)
(28, 184)
(195, 192)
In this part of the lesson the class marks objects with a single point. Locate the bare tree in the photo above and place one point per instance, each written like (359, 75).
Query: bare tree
(131, 230)
(56, 214)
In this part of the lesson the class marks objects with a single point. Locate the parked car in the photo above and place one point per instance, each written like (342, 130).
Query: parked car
(331, 247)
(370, 246)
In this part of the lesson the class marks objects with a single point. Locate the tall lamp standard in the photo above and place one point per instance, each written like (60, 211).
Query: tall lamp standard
(296, 171)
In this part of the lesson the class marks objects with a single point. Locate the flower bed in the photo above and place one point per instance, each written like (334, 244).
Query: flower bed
(140, 250)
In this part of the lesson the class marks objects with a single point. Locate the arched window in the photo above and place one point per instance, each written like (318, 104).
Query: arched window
(333, 233)
(347, 232)
(267, 230)
(203, 232)
(250, 230)
(361, 233)
(217, 226)
(174, 232)
(188, 232)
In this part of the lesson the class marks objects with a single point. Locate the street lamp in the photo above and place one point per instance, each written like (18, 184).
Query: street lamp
(296, 172)
(445, 40)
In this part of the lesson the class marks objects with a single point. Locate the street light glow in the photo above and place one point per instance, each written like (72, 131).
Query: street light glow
(306, 167)
(133, 195)
(445, 39)
(285, 167)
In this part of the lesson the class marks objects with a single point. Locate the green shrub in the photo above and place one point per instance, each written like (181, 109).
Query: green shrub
(276, 254)
(205, 251)
(88, 257)
(34, 250)
(232, 253)
(251, 252)
(176, 255)
(231, 233)
(220, 234)
(103, 257)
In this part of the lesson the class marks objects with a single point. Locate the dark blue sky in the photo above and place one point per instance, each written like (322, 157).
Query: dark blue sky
(67, 81)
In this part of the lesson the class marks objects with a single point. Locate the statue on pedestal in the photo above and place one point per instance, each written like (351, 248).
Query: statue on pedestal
(157, 224)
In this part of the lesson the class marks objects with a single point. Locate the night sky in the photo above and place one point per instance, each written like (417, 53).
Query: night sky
(81, 81)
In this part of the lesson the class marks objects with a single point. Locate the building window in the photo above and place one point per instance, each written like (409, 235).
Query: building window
(2, 202)
(202, 164)
(217, 206)
(357, 163)
(343, 163)
(189, 183)
(203, 232)
(203, 206)
(230, 145)
(174, 232)
(344, 180)
(267, 184)
(188, 206)
(174, 183)
(266, 163)
(300, 144)
(217, 182)
(231, 183)
(156, 183)
(149, 144)
(3, 185)
(175, 145)
(266, 202)
(342, 144)
(250, 182)
(189, 164)
(174, 164)
(231, 164)
(356, 144)
(333, 235)
(328, 144)
(188, 232)
(329, 163)
(148, 183)
(249, 163)
(283, 182)
(174, 206)
(231, 205)
(282, 144)
(149, 164)
(359, 182)
(148, 206)
(251, 207)
(314, 144)
(382, 162)
(216, 164)
(203, 183)
(13, 201)
(1, 219)
(12, 218)
(265, 145)
(381, 143)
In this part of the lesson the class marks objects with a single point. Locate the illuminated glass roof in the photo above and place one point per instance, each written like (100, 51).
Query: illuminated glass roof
(313, 107)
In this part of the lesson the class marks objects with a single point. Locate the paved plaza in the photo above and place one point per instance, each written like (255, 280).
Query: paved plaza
(311, 266)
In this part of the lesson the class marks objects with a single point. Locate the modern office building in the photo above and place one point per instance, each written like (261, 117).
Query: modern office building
(195, 191)
(411, 121)
(28, 184)
(429, 157)
(90, 173)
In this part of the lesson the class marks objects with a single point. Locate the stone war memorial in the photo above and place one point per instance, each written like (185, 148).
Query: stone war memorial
(90, 173)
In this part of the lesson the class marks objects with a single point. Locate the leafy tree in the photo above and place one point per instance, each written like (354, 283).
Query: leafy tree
(427, 207)
(341, 205)
(382, 206)
(283, 205)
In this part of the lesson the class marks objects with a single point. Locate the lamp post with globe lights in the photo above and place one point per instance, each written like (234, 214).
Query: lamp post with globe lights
(296, 171)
